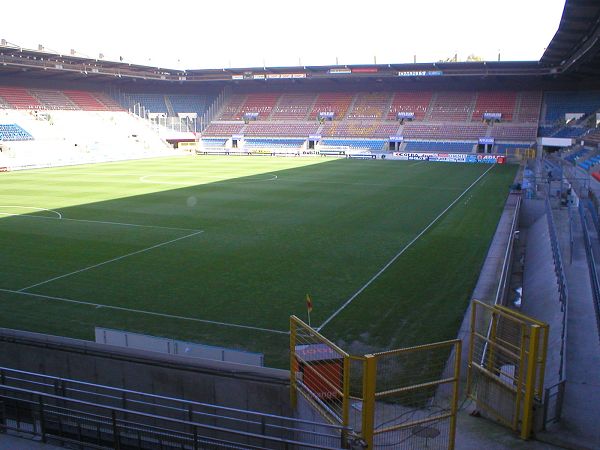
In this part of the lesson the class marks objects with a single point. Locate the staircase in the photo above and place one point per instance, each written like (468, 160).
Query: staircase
(170, 110)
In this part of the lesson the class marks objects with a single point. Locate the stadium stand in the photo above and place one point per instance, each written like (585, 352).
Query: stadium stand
(528, 106)
(19, 98)
(444, 131)
(190, 103)
(439, 146)
(362, 129)
(452, 107)
(85, 101)
(233, 105)
(293, 106)
(213, 142)
(258, 103)
(13, 132)
(336, 102)
(152, 102)
(514, 132)
(53, 99)
(266, 129)
(592, 159)
(370, 105)
(577, 155)
(557, 104)
(223, 129)
(365, 144)
(592, 138)
(495, 102)
(273, 143)
(415, 102)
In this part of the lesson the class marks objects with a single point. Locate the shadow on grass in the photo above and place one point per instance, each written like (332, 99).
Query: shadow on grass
(266, 242)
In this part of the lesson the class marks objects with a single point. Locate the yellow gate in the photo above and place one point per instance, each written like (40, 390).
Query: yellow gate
(507, 358)
(397, 399)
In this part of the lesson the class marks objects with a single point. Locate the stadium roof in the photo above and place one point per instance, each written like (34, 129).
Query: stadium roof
(575, 48)
(573, 53)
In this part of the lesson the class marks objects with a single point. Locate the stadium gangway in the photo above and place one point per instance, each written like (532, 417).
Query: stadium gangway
(36, 393)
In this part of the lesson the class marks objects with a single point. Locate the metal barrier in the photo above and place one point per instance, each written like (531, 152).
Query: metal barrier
(415, 396)
(506, 271)
(398, 399)
(320, 372)
(30, 398)
(592, 266)
(506, 363)
(553, 400)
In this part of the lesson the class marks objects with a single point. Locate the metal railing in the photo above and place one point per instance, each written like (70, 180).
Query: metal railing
(104, 404)
(591, 264)
(502, 290)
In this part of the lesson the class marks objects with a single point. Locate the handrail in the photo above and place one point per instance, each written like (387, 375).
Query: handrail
(563, 293)
(41, 396)
(133, 401)
(507, 263)
(591, 265)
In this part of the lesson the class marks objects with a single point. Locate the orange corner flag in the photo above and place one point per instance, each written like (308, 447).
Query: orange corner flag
(308, 303)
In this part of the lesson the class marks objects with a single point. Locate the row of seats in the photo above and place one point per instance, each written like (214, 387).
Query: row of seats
(589, 163)
(273, 143)
(557, 104)
(362, 129)
(577, 154)
(52, 99)
(13, 132)
(420, 130)
(440, 146)
(367, 144)
(411, 130)
(450, 106)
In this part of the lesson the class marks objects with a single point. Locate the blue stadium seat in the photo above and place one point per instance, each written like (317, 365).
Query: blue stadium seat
(13, 132)
(371, 144)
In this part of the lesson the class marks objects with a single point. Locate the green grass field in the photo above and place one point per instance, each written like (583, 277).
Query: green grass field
(222, 250)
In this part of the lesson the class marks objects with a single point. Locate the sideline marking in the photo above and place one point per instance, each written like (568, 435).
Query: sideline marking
(111, 260)
(140, 311)
(30, 207)
(124, 224)
(406, 247)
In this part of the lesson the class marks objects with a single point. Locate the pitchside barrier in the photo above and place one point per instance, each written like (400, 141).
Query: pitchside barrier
(507, 359)
(404, 398)
(174, 347)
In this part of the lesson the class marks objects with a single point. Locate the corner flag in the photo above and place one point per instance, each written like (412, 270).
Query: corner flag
(308, 303)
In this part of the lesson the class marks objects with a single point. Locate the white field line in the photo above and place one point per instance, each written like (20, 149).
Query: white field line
(140, 311)
(35, 208)
(110, 260)
(395, 257)
(97, 221)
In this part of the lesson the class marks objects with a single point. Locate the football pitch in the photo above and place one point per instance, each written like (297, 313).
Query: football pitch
(222, 250)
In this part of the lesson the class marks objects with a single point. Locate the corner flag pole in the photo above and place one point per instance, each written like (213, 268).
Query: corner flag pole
(308, 307)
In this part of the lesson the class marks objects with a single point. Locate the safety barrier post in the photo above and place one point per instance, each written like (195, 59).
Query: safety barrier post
(368, 411)
(532, 360)
(293, 393)
(454, 406)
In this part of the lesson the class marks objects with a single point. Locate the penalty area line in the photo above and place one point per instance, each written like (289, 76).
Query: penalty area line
(141, 311)
(397, 255)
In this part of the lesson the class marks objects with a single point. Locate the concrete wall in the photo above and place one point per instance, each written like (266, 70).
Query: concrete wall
(226, 384)
(540, 288)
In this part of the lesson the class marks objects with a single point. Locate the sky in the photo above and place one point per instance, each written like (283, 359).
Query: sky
(218, 34)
